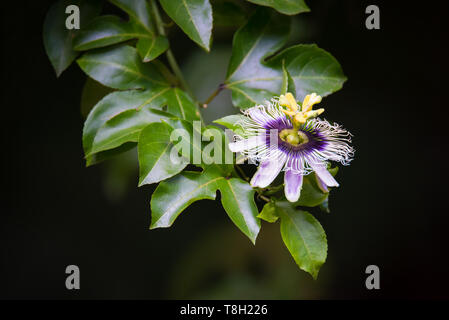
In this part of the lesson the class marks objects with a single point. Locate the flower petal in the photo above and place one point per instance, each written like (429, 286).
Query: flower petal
(247, 144)
(321, 184)
(267, 171)
(324, 175)
(293, 184)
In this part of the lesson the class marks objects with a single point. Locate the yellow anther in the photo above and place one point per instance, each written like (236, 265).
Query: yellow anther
(300, 118)
(288, 100)
(309, 101)
(288, 112)
(313, 113)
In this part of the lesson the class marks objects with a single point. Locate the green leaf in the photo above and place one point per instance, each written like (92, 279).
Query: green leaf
(108, 154)
(291, 87)
(253, 80)
(92, 93)
(172, 196)
(115, 104)
(237, 198)
(151, 48)
(289, 7)
(138, 11)
(312, 70)
(250, 80)
(311, 194)
(304, 237)
(106, 30)
(191, 146)
(269, 213)
(57, 38)
(120, 116)
(284, 87)
(288, 84)
(154, 154)
(179, 103)
(120, 68)
(194, 17)
(125, 127)
(231, 122)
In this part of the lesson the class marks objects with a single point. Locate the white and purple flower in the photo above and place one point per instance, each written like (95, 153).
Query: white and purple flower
(281, 135)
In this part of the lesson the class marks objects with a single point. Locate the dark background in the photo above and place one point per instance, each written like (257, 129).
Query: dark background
(391, 209)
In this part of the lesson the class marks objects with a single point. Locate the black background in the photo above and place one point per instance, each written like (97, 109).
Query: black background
(391, 209)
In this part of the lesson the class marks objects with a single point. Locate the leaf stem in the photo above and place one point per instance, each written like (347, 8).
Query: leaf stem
(264, 198)
(213, 95)
(170, 57)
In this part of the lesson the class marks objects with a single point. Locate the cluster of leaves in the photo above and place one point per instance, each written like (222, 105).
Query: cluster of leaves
(143, 100)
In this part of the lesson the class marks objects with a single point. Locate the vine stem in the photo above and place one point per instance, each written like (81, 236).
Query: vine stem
(170, 57)
(213, 95)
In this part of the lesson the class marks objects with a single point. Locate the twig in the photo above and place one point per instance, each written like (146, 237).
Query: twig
(264, 198)
(213, 95)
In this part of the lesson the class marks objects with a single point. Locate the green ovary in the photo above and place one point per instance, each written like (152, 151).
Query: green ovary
(293, 137)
